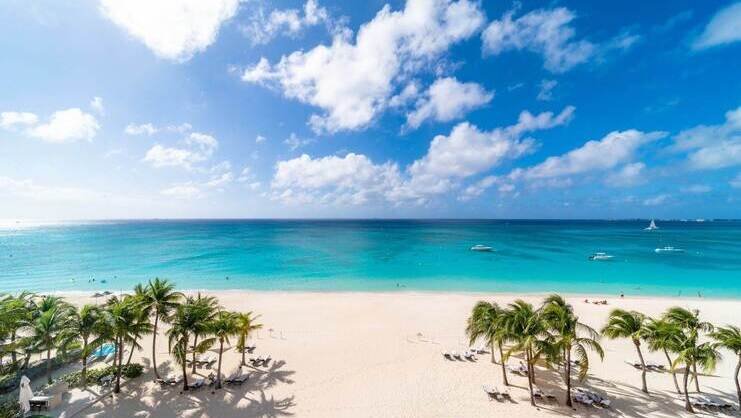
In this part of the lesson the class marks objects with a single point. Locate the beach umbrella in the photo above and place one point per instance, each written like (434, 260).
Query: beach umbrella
(25, 395)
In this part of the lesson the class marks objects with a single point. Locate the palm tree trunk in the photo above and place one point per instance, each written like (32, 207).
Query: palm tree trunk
(218, 368)
(48, 365)
(568, 377)
(493, 359)
(185, 370)
(674, 373)
(117, 388)
(84, 362)
(13, 353)
(504, 369)
(687, 404)
(131, 354)
(154, 345)
(531, 374)
(244, 349)
(644, 388)
(193, 360)
(735, 377)
(694, 373)
(529, 381)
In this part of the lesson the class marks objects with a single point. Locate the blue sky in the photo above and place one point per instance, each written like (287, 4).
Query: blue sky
(417, 108)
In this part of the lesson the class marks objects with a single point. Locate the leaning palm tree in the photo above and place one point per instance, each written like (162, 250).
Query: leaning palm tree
(527, 330)
(730, 338)
(689, 321)
(567, 334)
(246, 324)
(125, 325)
(628, 324)
(223, 326)
(208, 307)
(484, 323)
(690, 354)
(662, 335)
(49, 329)
(161, 299)
(15, 311)
(84, 324)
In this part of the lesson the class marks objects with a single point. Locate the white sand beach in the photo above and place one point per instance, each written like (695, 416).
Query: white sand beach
(379, 355)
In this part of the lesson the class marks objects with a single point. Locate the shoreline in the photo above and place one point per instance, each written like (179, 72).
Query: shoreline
(418, 292)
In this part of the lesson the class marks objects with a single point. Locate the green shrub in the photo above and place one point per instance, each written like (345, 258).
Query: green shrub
(129, 371)
(10, 409)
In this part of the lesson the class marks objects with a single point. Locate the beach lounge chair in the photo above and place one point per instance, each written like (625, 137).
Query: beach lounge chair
(538, 392)
(447, 355)
(469, 355)
(505, 394)
(493, 393)
(456, 355)
(162, 382)
(197, 384)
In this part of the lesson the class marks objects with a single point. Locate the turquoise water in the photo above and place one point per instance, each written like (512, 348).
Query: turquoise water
(370, 255)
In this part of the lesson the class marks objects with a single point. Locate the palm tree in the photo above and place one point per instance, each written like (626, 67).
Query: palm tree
(246, 324)
(526, 328)
(187, 318)
(730, 339)
(125, 325)
(85, 324)
(15, 311)
(161, 298)
(567, 336)
(484, 322)
(50, 328)
(662, 335)
(628, 324)
(690, 322)
(689, 355)
(222, 327)
(208, 307)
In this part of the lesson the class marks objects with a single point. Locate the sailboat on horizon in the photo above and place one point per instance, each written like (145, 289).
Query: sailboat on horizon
(652, 226)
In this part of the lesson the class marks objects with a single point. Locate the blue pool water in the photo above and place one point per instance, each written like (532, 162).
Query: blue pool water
(376, 255)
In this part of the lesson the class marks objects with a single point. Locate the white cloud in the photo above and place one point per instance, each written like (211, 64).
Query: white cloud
(724, 28)
(29, 189)
(68, 125)
(736, 182)
(11, 120)
(475, 190)
(696, 188)
(97, 105)
(629, 175)
(353, 82)
(714, 146)
(294, 142)
(198, 148)
(546, 90)
(261, 28)
(545, 32)
(259, 139)
(615, 148)
(145, 128)
(355, 179)
(185, 191)
(656, 200)
(172, 29)
(220, 180)
(448, 99)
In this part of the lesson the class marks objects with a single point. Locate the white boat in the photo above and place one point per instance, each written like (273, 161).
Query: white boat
(601, 257)
(479, 247)
(652, 226)
(668, 249)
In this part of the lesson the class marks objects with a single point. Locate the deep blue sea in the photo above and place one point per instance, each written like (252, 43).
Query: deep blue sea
(376, 255)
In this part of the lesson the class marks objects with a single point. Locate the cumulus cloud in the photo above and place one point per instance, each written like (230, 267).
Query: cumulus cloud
(97, 105)
(545, 32)
(656, 200)
(723, 28)
(355, 179)
(714, 146)
(262, 28)
(295, 142)
(172, 29)
(68, 125)
(352, 82)
(448, 99)
(613, 149)
(198, 147)
(259, 139)
(145, 128)
(13, 120)
(629, 175)
(476, 189)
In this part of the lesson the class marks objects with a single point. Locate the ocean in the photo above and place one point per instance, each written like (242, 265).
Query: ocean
(376, 255)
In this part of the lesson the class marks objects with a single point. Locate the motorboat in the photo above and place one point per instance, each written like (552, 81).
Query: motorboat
(651, 227)
(668, 249)
(601, 257)
(483, 248)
